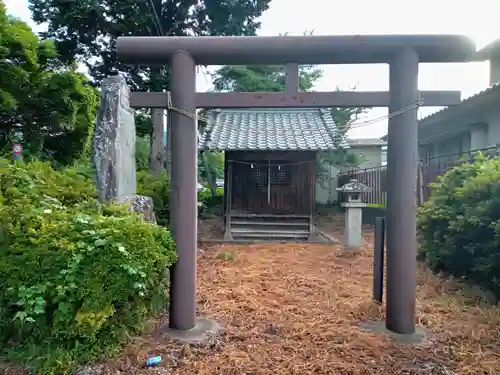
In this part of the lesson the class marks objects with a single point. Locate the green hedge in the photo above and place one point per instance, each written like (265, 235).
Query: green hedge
(460, 225)
(77, 277)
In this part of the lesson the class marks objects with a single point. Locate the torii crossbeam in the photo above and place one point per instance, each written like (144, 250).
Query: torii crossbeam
(403, 53)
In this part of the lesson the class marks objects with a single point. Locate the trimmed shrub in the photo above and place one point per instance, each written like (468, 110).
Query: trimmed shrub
(77, 277)
(459, 226)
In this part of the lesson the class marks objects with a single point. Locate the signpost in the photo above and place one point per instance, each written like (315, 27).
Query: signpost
(17, 149)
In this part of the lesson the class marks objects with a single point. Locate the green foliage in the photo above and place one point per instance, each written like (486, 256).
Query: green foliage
(77, 277)
(143, 123)
(259, 78)
(95, 25)
(262, 78)
(142, 145)
(156, 186)
(460, 225)
(84, 168)
(376, 205)
(342, 157)
(211, 204)
(210, 200)
(215, 163)
(44, 103)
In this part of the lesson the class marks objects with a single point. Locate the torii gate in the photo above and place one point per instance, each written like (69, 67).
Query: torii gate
(403, 54)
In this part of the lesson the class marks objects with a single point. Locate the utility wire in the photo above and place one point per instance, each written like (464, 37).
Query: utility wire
(354, 125)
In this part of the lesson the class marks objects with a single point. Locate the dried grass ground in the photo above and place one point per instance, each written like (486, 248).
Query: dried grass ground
(296, 308)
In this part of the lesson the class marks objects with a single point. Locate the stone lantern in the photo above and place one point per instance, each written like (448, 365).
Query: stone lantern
(353, 232)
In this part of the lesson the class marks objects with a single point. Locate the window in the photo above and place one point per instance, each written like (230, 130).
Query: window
(274, 174)
(259, 174)
(281, 175)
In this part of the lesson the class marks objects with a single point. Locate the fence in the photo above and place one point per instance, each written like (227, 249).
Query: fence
(429, 169)
(375, 178)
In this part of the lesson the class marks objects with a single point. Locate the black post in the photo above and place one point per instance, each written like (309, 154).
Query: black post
(378, 259)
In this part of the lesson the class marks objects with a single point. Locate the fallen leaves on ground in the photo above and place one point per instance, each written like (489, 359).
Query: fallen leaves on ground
(297, 308)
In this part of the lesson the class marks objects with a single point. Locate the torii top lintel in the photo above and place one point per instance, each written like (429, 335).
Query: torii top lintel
(248, 50)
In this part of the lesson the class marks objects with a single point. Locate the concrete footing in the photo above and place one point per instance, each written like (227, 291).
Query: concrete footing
(420, 337)
(200, 334)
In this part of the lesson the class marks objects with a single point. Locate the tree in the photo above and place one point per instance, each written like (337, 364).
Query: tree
(252, 78)
(272, 79)
(44, 103)
(342, 157)
(86, 31)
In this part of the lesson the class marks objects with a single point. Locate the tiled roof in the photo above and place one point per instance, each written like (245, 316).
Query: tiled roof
(470, 102)
(474, 100)
(287, 129)
(488, 51)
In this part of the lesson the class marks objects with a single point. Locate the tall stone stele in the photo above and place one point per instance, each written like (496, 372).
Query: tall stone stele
(114, 149)
(353, 232)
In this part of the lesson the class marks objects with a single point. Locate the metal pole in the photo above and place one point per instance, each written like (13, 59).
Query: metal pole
(402, 156)
(378, 259)
(184, 196)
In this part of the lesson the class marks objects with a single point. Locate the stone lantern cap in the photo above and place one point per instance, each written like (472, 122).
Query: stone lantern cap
(354, 187)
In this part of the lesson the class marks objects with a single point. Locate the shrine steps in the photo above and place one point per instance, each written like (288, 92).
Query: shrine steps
(269, 228)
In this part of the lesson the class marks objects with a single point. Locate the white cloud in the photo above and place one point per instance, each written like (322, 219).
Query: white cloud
(474, 19)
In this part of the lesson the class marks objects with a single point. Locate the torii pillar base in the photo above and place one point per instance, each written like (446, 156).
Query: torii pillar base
(201, 333)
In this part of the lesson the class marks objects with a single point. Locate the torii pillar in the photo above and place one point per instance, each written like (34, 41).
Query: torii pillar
(402, 156)
(184, 198)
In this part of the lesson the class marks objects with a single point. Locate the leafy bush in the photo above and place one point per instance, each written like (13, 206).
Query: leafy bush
(84, 168)
(210, 200)
(77, 277)
(460, 225)
(142, 153)
(211, 204)
(156, 186)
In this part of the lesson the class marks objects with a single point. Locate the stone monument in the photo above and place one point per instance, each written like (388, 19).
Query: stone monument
(114, 149)
(353, 232)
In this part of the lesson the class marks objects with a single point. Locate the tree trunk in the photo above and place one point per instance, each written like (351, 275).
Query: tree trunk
(157, 146)
(210, 175)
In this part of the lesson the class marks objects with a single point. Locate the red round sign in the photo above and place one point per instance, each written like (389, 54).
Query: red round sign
(18, 148)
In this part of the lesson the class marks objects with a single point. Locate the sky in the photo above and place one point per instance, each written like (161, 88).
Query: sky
(475, 19)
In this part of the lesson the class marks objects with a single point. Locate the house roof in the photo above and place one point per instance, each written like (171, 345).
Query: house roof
(487, 52)
(491, 94)
(286, 129)
(365, 142)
